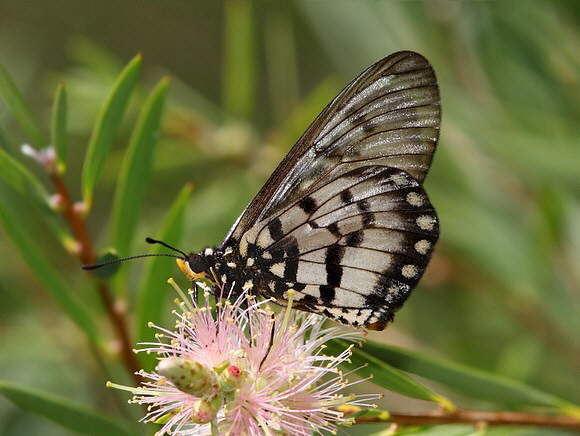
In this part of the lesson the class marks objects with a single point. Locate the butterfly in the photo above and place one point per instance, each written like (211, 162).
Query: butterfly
(344, 220)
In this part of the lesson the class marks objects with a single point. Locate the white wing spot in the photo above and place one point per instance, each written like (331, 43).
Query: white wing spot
(426, 222)
(250, 261)
(208, 251)
(415, 199)
(278, 269)
(409, 271)
(396, 292)
(231, 264)
(422, 246)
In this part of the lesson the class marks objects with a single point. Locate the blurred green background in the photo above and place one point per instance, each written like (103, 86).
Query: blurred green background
(502, 292)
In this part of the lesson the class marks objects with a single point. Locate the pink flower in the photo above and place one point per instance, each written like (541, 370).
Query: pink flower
(243, 369)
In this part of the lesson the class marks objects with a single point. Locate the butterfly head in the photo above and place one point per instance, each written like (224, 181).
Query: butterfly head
(194, 266)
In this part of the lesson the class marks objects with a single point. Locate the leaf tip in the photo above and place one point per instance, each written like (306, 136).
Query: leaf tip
(445, 403)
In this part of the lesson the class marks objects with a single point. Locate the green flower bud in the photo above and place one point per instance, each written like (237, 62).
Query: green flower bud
(189, 376)
(231, 378)
(203, 411)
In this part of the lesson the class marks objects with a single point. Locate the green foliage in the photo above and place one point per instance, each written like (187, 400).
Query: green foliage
(58, 127)
(469, 381)
(14, 101)
(135, 170)
(106, 127)
(149, 306)
(496, 315)
(64, 412)
(387, 376)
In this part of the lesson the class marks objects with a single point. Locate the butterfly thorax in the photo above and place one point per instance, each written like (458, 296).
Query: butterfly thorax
(223, 266)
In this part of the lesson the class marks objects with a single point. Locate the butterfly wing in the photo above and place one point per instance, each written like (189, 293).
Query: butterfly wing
(344, 219)
(389, 115)
(352, 249)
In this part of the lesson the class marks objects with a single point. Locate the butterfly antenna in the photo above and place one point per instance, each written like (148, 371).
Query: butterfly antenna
(150, 241)
(110, 262)
(155, 241)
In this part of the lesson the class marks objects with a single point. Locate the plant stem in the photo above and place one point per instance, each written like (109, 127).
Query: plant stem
(480, 417)
(87, 256)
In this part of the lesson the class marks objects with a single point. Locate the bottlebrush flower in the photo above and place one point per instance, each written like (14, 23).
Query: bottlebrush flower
(239, 368)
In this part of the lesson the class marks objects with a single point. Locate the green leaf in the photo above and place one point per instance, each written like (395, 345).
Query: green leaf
(135, 169)
(106, 127)
(25, 183)
(44, 272)
(58, 127)
(239, 59)
(63, 411)
(18, 108)
(371, 415)
(22, 180)
(385, 375)
(472, 382)
(153, 288)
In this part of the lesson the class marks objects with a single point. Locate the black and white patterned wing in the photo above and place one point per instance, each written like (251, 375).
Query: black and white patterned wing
(344, 219)
(388, 115)
(352, 249)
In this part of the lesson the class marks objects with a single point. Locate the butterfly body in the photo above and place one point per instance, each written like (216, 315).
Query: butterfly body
(344, 220)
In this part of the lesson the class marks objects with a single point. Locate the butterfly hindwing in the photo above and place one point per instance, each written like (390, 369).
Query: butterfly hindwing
(351, 249)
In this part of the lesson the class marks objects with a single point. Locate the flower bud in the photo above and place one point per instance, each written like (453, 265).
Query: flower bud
(204, 411)
(189, 376)
(45, 157)
(231, 378)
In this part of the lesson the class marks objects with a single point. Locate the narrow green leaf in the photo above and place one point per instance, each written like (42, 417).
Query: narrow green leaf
(63, 411)
(281, 62)
(18, 108)
(44, 272)
(25, 183)
(472, 382)
(371, 415)
(153, 287)
(58, 127)
(387, 376)
(239, 59)
(4, 143)
(22, 180)
(135, 169)
(106, 127)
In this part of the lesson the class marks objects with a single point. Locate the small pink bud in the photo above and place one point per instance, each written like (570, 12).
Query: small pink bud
(232, 378)
(74, 246)
(203, 411)
(55, 202)
(80, 208)
(45, 157)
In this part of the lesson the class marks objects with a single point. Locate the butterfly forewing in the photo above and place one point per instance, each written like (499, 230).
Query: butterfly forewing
(389, 114)
(344, 220)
